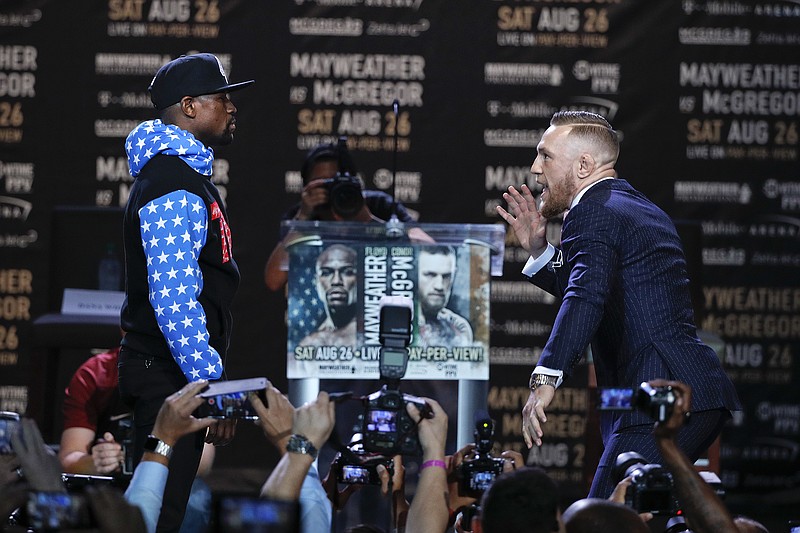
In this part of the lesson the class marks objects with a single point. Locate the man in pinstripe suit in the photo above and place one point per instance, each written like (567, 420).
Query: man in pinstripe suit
(621, 274)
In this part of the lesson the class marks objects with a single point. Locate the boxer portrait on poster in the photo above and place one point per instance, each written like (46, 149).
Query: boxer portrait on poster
(334, 308)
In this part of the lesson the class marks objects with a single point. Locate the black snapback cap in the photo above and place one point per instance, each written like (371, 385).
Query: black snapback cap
(191, 75)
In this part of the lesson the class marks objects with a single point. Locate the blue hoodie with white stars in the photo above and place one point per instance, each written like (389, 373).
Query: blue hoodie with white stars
(181, 276)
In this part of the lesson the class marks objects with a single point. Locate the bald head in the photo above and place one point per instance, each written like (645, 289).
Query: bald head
(594, 514)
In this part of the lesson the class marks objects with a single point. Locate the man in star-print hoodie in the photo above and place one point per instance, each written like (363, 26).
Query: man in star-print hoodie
(180, 273)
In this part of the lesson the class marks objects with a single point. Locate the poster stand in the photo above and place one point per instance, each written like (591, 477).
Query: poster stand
(377, 249)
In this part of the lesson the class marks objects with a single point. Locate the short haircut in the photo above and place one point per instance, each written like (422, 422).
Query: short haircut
(328, 152)
(594, 514)
(521, 501)
(592, 128)
(745, 524)
(350, 252)
(438, 249)
(365, 528)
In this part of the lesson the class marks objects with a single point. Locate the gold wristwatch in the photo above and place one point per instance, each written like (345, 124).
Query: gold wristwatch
(537, 380)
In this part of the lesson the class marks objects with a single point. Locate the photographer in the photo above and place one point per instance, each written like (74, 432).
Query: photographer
(311, 426)
(97, 426)
(429, 510)
(321, 166)
(393, 480)
(461, 503)
(473, 469)
(276, 418)
(525, 500)
(704, 511)
(39, 482)
(594, 514)
(174, 420)
(91, 409)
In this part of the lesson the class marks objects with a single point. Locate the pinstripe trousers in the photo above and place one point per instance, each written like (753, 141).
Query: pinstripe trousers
(693, 439)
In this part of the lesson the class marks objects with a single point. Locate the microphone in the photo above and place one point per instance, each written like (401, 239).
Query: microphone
(394, 227)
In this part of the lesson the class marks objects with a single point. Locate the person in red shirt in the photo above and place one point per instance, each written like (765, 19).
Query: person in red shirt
(92, 408)
(97, 421)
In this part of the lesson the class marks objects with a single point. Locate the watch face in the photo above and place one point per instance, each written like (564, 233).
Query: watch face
(155, 445)
(300, 444)
(151, 443)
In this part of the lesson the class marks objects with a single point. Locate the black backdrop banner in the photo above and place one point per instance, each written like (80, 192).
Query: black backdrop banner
(705, 93)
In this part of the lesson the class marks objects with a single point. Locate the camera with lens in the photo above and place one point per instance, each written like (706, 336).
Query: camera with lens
(476, 474)
(650, 490)
(344, 189)
(656, 402)
(386, 426)
(355, 466)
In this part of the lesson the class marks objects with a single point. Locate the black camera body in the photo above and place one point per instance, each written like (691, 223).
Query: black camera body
(359, 467)
(651, 488)
(386, 426)
(655, 402)
(344, 195)
(476, 474)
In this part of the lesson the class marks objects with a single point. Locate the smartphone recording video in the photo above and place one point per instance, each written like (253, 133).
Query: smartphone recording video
(9, 424)
(229, 399)
(236, 514)
(616, 399)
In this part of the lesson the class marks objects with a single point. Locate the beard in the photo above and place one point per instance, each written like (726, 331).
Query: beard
(559, 196)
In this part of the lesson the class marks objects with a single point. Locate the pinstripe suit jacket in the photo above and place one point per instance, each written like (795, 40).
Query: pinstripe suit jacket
(625, 290)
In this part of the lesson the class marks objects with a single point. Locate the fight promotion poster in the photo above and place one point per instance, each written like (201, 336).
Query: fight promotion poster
(334, 306)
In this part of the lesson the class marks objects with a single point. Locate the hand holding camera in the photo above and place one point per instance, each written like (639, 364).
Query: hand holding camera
(656, 398)
(40, 464)
(315, 420)
(388, 425)
(361, 468)
(175, 419)
(275, 416)
(312, 199)
(432, 430)
(338, 197)
(678, 415)
(478, 470)
(107, 454)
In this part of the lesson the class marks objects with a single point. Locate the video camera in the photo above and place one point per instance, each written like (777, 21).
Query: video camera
(475, 475)
(344, 189)
(386, 426)
(356, 466)
(656, 402)
(650, 490)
